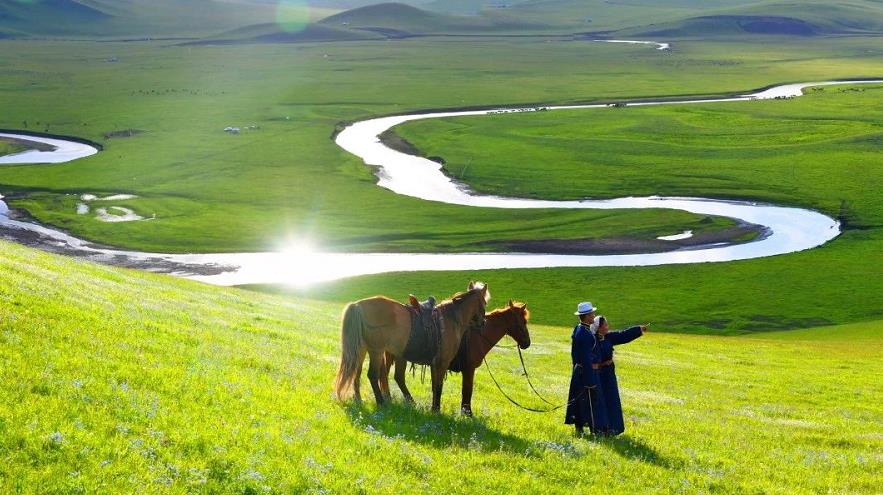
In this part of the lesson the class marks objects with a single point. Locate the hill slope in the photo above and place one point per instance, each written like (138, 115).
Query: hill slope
(137, 18)
(775, 18)
(405, 18)
(118, 381)
(50, 16)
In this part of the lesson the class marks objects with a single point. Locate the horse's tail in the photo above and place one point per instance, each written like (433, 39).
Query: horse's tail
(350, 345)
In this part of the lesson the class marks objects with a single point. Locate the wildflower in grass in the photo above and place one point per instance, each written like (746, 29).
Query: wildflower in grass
(252, 475)
(56, 438)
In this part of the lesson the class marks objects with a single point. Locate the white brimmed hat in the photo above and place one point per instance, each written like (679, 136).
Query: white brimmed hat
(584, 308)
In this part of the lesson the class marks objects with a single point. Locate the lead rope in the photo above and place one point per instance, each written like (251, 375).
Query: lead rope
(531, 409)
(523, 367)
(526, 376)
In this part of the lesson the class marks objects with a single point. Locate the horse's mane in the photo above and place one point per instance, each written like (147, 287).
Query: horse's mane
(502, 310)
(460, 295)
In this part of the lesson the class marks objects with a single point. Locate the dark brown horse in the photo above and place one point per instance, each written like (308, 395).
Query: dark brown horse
(512, 321)
(379, 325)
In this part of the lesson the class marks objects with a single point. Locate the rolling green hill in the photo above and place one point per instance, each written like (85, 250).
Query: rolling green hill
(716, 25)
(145, 19)
(409, 19)
(296, 20)
(273, 33)
(810, 18)
(118, 381)
(50, 16)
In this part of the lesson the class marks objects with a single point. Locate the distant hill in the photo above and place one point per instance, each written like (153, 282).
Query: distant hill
(272, 33)
(323, 20)
(809, 18)
(129, 18)
(48, 16)
(353, 4)
(403, 18)
(715, 25)
(390, 16)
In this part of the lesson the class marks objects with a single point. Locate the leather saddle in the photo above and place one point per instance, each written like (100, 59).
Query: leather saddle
(425, 339)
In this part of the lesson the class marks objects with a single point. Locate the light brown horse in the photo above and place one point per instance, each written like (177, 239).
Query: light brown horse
(380, 325)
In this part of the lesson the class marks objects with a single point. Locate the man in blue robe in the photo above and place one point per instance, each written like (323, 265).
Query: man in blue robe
(606, 340)
(585, 404)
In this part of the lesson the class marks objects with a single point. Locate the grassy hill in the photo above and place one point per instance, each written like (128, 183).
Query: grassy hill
(811, 18)
(273, 33)
(119, 381)
(409, 19)
(296, 21)
(142, 18)
(50, 16)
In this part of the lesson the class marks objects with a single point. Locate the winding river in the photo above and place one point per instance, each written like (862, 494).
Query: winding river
(787, 230)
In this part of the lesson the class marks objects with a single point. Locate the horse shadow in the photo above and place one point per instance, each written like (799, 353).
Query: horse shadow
(418, 424)
(635, 449)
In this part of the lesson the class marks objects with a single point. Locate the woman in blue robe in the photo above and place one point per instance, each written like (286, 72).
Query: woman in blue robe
(585, 404)
(606, 340)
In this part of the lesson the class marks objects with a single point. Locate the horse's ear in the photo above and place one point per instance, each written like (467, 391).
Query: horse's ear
(511, 304)
(471, 285)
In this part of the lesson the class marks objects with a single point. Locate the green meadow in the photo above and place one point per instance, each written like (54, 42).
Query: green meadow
(116, 381)
(759, 376)
(819, 151)
(211, 191)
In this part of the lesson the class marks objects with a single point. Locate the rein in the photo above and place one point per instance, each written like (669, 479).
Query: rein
(527, 377)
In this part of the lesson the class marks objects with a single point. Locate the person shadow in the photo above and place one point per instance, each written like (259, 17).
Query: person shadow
(636, 449)
(417, 424)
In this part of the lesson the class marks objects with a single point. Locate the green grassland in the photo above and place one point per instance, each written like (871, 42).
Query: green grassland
(118, 381)
(819, 151)
(211, 191)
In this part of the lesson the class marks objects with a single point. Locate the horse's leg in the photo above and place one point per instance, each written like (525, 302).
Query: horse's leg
(357, 382)
(384, 376)
(466, 403)
(438, 380)
(375, 366)
(401, 368)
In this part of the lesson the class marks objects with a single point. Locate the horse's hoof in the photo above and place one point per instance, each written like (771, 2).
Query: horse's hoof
(466, 412)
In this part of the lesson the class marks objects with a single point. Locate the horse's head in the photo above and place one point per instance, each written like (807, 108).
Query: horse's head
(519, 316)
(477, 296)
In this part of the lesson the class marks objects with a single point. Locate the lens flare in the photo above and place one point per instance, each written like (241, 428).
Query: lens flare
(293, 16)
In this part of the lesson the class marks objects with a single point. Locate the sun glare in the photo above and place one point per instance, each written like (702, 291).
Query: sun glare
(302, 247)
(303, 263)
